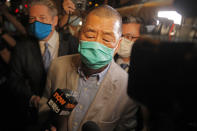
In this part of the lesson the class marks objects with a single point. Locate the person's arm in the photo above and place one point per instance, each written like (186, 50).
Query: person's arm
(9, 39)
(44, 110)
(18, 78)
(46, 115)
(5, 55)
(4, 52)
(63, 20)
(145, 117)
(128, 120)
(69, 8)
(12, 19)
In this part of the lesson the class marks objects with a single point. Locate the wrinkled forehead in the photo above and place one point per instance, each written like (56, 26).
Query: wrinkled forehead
(103, 24)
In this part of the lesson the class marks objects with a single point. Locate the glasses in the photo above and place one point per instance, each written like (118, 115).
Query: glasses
(130, 37)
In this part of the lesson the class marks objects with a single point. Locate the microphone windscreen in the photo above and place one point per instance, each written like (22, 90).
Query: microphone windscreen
(90, 126)
(62, 102)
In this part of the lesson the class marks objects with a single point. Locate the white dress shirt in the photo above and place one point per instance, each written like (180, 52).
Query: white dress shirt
(53, 43)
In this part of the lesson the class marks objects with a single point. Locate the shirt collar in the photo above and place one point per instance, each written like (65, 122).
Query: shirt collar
(52, 40)
(100, 75)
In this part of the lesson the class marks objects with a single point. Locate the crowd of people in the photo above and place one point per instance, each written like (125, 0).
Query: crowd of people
(121, 81)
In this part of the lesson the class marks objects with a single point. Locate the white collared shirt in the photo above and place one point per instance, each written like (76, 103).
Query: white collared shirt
(53, 43)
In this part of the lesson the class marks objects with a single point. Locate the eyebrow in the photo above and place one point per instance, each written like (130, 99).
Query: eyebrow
(130, 34)
(127, 34)
(110, 34)
(89, 29)
(39, 16)
(42, 16)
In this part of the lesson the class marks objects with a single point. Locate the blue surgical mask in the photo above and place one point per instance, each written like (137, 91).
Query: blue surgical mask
(95, 55)
(40, 30)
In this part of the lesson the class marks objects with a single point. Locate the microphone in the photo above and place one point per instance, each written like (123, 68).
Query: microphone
(62, 102)
(90, 126)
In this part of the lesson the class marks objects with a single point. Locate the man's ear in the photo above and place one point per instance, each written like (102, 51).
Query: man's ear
(55, 21)
(117, 46)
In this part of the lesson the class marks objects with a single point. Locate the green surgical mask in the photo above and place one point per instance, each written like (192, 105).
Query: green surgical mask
(95, 55)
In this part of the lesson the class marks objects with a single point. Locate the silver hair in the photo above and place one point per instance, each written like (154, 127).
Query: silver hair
(48, 3)
(107, 11)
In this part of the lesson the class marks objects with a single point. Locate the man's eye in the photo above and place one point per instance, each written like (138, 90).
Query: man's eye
(106, 40)
(90, 35)
(42, 18)
(31, 18)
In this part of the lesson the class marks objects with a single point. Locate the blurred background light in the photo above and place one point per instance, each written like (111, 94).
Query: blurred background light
(171, 15)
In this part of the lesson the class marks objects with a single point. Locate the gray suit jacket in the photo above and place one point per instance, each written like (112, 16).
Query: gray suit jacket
(111, 108)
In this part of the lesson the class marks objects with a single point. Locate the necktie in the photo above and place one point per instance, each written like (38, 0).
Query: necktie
(46, 57)
(124, 66)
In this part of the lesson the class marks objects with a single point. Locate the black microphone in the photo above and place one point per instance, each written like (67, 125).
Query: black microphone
(90, 126)
(62, 102)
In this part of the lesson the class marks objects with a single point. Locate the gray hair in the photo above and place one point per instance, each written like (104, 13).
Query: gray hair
(106, 11)
(48, 3)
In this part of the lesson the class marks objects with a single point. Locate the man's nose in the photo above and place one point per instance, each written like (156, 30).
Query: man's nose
(36, 19)
(98, 37)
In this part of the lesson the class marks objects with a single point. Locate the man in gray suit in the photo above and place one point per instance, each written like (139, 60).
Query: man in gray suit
(98, 82)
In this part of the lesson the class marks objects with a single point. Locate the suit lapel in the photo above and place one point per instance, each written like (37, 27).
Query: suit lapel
(37, 53)
(72, 84)
(72, 78)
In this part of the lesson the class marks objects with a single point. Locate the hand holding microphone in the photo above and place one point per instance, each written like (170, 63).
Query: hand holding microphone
(34, 101)
(62, 102)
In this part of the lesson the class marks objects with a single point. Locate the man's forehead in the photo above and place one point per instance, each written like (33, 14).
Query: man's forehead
(94, 28)
(131, 27)
(40, 9)
(108, 25)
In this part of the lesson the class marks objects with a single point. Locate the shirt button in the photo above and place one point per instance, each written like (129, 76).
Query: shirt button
(77, 109)
(80, 107)
(85, 89)
(75, 123)
(98, 83)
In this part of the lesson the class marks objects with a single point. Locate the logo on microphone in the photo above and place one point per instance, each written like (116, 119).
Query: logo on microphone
(62, 102)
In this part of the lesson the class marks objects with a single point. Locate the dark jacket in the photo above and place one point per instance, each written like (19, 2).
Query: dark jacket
(28, 75)
(162, 77)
